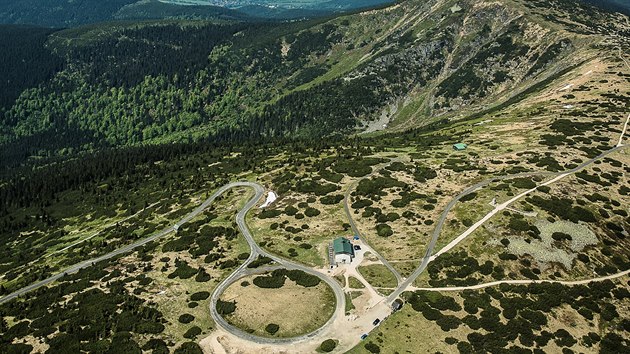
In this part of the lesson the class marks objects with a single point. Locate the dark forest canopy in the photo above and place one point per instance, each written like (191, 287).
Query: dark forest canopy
(159, 80)
(25, 61)
(622, 6)
(66, 13)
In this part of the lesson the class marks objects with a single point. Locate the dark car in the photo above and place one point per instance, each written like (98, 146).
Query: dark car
(376, 322)
(357, 247)
(363, 336)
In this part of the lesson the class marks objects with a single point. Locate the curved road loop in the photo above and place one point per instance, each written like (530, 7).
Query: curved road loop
(241, 271)
(403, 284)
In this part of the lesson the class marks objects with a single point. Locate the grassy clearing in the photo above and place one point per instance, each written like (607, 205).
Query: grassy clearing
(354, 283)
(408, 112)
(378, 276)
(462, 216)
(349, 304)
(341, 280)
(172, 298)
(406, 268)
(395, 334)
(315, 305)
(309, 236)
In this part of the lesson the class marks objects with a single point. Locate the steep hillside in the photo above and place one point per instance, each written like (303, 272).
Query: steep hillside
(478, 149)
(67, 13)
(613, 5)
(399, 67)
(58, 13)
(70, 13)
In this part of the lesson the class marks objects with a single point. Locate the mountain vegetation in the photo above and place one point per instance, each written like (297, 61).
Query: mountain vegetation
(161, 82)
(112, 132)
(65, 13)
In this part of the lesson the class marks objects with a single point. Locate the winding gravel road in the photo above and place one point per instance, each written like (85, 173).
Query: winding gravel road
(429, 256)
(255, 250)
(242, 271)
(125, 249)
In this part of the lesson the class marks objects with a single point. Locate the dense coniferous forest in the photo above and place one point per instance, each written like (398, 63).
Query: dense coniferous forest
(59, 13)
(612, 5)
(157, 79)
(25, 61)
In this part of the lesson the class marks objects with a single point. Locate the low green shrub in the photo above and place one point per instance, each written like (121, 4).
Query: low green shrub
(226, 307)
(192, 333)
(186, 318)
(272, 328)
(384, 230)
(198, 296)
(328, 345)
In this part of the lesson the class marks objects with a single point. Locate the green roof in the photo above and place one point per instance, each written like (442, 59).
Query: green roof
(459, 146)
(341, 245)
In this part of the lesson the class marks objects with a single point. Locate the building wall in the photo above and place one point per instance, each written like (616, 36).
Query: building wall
(343, 258)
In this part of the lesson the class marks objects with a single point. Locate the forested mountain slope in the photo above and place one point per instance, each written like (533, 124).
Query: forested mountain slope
(58, 13)
(622, 6)
(401, 66)
(66, 13)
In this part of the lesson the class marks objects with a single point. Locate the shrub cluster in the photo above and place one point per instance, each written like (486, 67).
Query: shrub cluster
(272, 328)
(226, 307)
(277, 278)
(563, 207)
(525, 309)
(198, 296)
(260, 261)
(331, 199)
(328, 345)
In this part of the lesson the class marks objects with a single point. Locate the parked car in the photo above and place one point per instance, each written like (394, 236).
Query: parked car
(357, 247)
(397, 305)
(376, 322)
(363, 336)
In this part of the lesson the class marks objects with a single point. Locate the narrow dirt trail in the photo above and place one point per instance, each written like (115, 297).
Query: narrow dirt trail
(524, 282)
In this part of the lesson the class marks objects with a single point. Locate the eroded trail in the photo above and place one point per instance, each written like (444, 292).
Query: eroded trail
(524, 282)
